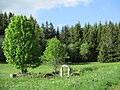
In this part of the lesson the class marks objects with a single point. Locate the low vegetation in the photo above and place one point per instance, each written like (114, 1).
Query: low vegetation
(93, 76)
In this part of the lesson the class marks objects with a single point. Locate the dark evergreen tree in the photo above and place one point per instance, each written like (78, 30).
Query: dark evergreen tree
(58, 33)
(2, 57)
(65, 36)
(93, 43)
(1, 23)
(72, 34)
(46, 31)
(52, 31)
(9, 16)
(109, 45)
(99, 31)
(78, 32)
(42, 39)
(104, 42)
(75, 33)
(87, 40)
(73, 52)
(4, 21)
(39, 31)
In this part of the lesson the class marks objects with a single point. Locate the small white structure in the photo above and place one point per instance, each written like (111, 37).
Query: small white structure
(61, 70)
(11, 75)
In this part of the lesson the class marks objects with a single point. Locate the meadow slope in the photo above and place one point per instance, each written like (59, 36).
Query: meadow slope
(93, 76)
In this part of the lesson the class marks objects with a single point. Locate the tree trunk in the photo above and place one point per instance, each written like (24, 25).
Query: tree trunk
(55, 69)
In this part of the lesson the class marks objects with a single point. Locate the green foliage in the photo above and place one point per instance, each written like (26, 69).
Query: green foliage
(65, 35)
(73, 52)
(4, 21)
(55, 52)
(49, 30)
(84, 50)
(109, 44)
(21, 43)
(2, 57)
(103, 39)
(90, 37)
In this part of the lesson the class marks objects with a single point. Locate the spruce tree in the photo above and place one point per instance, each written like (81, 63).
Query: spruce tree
(52, 32)
(58, 33)
(1, 23)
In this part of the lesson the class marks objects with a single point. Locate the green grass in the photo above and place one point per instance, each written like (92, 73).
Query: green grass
(116, 87)
(93, 76)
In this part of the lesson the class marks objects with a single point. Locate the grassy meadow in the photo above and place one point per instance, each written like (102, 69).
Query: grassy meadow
(93, 76)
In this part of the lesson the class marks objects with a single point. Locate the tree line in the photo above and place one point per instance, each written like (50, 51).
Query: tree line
(4, 21)
(99, 42)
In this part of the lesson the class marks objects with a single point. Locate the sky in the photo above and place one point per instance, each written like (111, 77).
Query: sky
(65, 12)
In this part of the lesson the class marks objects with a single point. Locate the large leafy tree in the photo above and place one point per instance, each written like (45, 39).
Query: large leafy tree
(21, 44)
(55, 53)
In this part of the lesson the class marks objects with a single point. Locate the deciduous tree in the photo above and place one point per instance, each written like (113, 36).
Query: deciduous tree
(55, 53)
(21, 44)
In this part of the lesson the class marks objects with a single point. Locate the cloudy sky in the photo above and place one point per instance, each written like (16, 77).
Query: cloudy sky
(61, 12)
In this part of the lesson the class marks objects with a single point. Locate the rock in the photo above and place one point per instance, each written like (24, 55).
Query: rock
(75, 74)
(48, 75)
(13, 75)
(57, 72)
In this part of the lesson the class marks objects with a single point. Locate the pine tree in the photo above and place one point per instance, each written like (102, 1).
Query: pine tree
(58, 33)
(75, 33)
(9, 16)
(87, 36)
(65, 36)
(42, 39)
(72, 35)
(109, 44)
(73, 52)
(1, 23)
(102, 57)
(5, 21)
(52, 32)
(46, 31)
(78, 32)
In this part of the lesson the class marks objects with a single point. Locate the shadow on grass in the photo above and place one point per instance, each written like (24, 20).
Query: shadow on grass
(2, 62)
(79, 63)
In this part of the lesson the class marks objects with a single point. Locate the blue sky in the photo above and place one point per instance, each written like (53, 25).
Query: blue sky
(98, 10)
(62, 12)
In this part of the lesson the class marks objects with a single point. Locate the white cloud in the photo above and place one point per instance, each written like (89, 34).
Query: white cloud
(27, 7)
